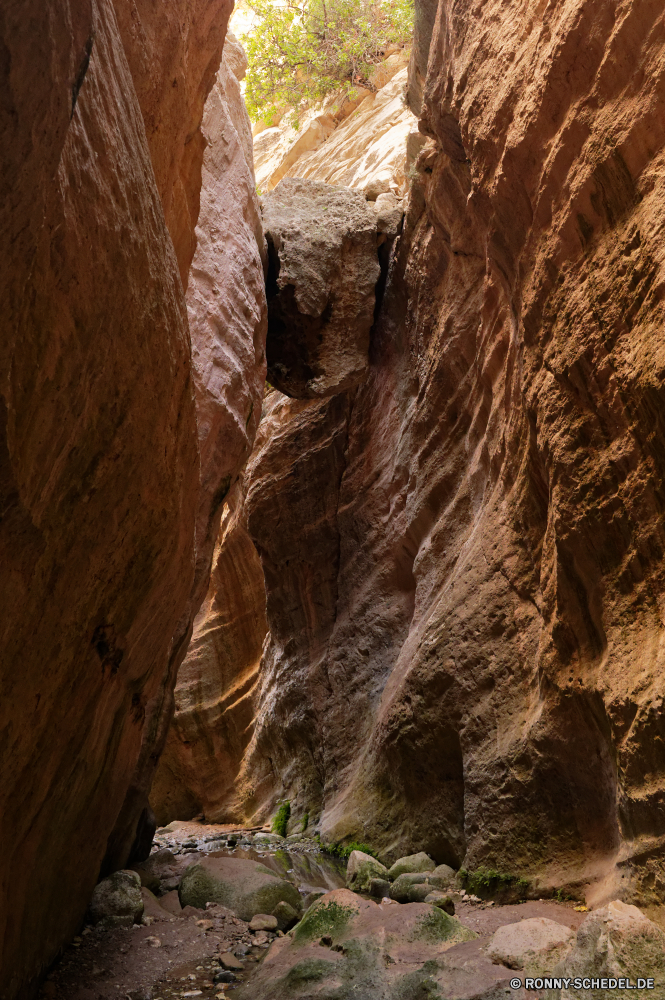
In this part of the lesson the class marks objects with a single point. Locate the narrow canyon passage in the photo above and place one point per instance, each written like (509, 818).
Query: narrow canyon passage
(331, 534)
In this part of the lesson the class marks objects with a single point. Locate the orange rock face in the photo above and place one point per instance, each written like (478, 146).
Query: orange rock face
(96, 540)
(228, 316)
(103, 490)
(215, 694)
(464, 556)
(174, 53)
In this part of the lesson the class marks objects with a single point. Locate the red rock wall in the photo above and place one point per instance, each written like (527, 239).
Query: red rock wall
(174, 52)
(465, 593)
(96, 535)
(100, 472)
(227, 321)
(216, 689)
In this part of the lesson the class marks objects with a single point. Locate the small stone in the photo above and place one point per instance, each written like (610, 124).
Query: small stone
(287, 916)
(263, 922)
(260, 938)
(224, 977)
(153, 941)
(206, 925)
(230, 962)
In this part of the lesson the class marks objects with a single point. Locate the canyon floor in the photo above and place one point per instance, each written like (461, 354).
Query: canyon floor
(178, 955)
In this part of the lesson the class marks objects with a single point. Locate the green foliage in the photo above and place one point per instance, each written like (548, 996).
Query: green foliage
(344, 850)
(281, 819)
(489, 882)
(302, 50)
(305, 822)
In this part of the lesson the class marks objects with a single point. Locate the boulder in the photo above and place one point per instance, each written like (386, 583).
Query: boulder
(534, 945)
(171, 901)
(323, 268)
(379, 887)
(399, 890)
(441, 900)
(312, 897)
(420, 862)
(616, 941)
(389, 214)
(152, 907)
(443, 877)
(287, 916)
(246, 887)
(418, 892)
(361, 869)
(348, 946)
(117, 901)
(263, 922)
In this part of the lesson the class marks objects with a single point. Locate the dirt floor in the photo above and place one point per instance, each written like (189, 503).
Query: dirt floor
(178, 955)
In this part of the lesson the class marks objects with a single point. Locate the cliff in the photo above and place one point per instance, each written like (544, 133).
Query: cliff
(104, 489)
(463, 555)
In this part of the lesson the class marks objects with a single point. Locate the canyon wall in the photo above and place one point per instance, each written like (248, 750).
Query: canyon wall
(463, 557)
(103, 488)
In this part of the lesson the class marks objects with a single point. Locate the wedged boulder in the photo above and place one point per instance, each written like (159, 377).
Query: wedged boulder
(418, 892)
(361, 869)
(246, 887)
(534, 945)
(615, 942)
(323, 269)
(420, 862)
(117, 900)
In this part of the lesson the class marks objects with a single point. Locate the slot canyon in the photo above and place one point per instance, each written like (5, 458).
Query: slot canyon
(332, 521)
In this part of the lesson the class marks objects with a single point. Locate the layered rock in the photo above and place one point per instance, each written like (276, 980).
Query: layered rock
(227, 320)
(97, 534)
(174, 54)
(216, 684)
(228, 350)
(323, 270)
(359, 143)
(463, 555)
(101, 476)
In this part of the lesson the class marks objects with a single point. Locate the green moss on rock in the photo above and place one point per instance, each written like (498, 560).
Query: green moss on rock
(326, 918)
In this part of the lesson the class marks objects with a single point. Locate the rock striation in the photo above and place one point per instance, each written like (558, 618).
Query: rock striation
(322, 273)
(227, 320)
(214, 697)
(360, 144)
(463, 554)
(99, 435)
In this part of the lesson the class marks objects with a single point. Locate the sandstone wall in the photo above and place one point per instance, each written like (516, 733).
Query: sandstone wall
(227, 321)
(99, 438)
(97, 536)
(466, 652)
(228, 349)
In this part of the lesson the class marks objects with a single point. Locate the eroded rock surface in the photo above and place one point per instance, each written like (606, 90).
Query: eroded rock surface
(227, 320)
(463, 555)
(323, 269)
(99, 441)
(216, 685)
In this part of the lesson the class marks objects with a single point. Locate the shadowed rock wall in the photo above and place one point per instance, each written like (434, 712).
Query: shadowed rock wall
(100, 472)
(466, 654)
